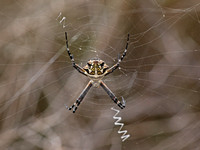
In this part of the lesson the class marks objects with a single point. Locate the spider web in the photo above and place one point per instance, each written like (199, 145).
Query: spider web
(158, 78)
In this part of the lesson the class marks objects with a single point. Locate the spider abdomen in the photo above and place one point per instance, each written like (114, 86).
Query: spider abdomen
(95, 68)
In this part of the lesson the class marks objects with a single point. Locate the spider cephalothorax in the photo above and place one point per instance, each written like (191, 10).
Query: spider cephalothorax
(96, 69)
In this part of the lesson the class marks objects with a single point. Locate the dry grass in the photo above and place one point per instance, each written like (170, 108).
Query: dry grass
(159, 78)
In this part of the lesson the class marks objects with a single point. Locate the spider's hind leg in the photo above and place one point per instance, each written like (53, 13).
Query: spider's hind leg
(112, 96)
(80, 98)
(74, 106)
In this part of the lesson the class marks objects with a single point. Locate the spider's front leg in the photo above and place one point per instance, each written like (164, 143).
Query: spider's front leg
(112, 96)
(114, 67)
(80, 98)
(76, 66)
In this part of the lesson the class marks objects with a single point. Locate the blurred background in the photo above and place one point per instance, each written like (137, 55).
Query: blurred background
(159, 77)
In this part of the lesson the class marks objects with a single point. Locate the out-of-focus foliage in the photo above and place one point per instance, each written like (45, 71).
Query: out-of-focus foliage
(159, 77)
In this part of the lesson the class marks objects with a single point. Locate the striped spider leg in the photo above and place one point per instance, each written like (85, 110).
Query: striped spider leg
(112, 96)
(96, 69)
(114, 67)
(80, 98)
(76, 66)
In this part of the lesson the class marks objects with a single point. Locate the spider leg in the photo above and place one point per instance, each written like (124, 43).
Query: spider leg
(114, 67)
(80, 98)
(112, 96)
(76, 66)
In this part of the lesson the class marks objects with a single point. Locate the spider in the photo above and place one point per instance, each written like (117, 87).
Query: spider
(96, 69)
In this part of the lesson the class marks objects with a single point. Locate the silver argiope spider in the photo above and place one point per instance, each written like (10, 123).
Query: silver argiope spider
(96, 69)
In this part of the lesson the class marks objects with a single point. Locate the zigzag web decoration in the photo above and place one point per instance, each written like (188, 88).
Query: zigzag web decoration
(117, 122)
